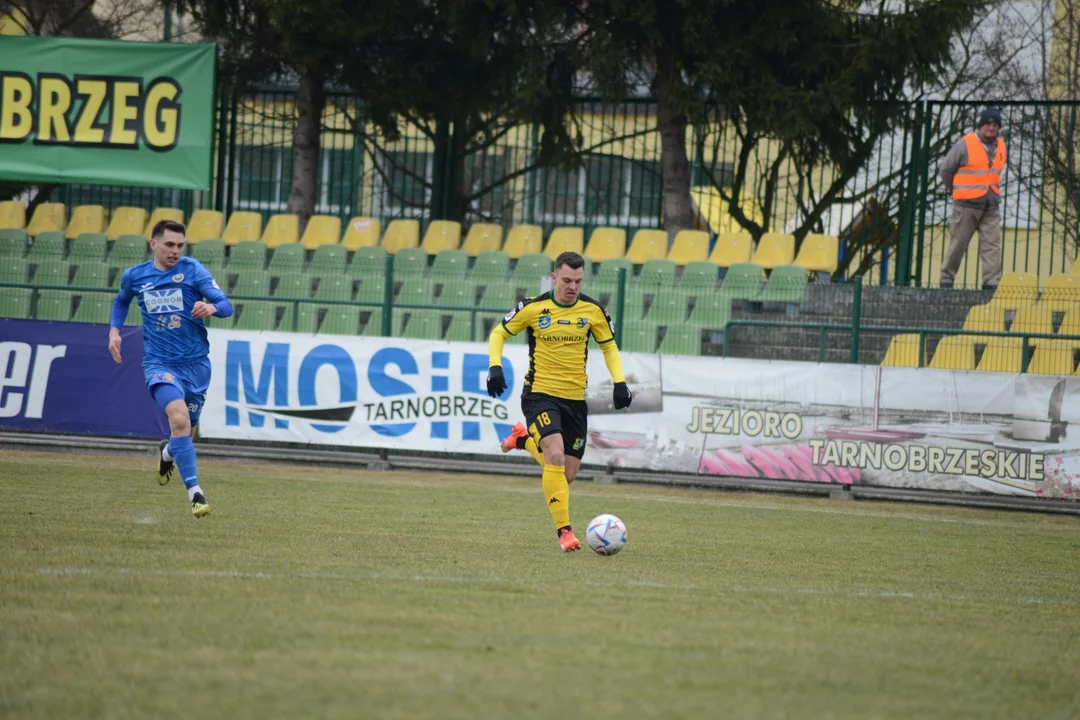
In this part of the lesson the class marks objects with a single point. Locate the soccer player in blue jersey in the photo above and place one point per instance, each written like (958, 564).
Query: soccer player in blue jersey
(175, 294)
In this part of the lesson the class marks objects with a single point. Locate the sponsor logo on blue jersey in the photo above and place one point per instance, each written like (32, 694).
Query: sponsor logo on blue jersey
(164, 301)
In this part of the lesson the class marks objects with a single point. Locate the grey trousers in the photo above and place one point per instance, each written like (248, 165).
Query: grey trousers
(965, 221)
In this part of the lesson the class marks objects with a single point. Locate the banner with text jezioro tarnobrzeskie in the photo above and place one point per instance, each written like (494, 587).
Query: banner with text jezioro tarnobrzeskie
(808, 422)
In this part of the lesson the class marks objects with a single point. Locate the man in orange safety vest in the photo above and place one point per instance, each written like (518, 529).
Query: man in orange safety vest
(972, 173)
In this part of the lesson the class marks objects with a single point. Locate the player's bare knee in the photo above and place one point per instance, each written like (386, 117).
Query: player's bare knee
(179, 420)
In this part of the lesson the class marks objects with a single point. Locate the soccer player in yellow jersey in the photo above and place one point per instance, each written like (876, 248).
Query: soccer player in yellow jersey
(558, 324)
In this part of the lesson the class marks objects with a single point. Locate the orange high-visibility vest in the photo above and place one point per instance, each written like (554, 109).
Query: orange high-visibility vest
(974, 180)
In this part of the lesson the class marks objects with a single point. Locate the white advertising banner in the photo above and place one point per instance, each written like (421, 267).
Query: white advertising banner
(822, 423)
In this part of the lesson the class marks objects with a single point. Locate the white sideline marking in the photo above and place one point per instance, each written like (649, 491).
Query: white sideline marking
(390, 577)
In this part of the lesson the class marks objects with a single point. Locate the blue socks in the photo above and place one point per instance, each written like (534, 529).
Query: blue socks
(183, 452)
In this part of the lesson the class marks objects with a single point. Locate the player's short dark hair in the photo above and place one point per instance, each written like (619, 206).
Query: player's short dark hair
(571, 260)
(170, 225)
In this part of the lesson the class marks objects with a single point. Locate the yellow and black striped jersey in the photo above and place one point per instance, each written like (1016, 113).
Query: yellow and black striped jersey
(558, 342)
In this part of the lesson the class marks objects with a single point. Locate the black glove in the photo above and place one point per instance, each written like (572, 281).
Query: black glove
(621, 396)
(496, 381)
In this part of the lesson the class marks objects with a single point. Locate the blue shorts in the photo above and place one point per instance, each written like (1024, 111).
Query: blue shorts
(191, 378)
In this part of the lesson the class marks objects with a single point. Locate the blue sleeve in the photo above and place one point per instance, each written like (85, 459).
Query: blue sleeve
(210, 290)
(122, 302)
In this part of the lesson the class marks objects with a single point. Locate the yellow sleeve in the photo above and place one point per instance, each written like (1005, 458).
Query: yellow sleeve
(601, 327)
(613, 360)
(515, 321)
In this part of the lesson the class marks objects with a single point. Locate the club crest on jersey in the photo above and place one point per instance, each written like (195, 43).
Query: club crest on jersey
(544, 321)
(582, 322)
(178, 277)
(164, 301)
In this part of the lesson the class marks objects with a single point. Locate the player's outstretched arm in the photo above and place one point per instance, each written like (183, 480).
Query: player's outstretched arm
(119, 316)
(621, 397)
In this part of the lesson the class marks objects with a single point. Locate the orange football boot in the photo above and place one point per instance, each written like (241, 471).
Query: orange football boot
(510, 441)
(567, 540)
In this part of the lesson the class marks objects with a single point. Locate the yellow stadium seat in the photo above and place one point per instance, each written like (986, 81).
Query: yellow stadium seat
(954, 353)
(565, 239)
(441, 235)
(362, 232)
(401, 234)
(482, 237)
(606, 243)
(281, 229)
(1053, 357)
(165, 213)
(12, 214)
(985, 318)
(1033, 319)
(126, 221)
(242, 226)
(86, 218)
(903, 351)
(524, 240)
(46, 217)
(648, 245)
(1016, 290)
(731, 248)
(774, 249)
(1002, 355)
(1062, 293)
(689, 246)
(321, 230)
(205, 225)
(1070, 325)
(819, 253)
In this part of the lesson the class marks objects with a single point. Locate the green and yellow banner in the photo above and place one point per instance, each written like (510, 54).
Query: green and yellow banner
(102, 112)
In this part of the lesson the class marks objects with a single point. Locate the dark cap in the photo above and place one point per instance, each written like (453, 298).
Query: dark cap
(987, 116)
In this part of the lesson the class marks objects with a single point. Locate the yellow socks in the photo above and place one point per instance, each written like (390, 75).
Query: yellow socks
(534, 450)
(557, 494)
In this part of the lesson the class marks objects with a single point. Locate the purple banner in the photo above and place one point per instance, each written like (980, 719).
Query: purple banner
(59, 377)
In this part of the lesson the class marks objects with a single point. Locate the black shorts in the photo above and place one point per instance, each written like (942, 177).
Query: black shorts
(546, 415)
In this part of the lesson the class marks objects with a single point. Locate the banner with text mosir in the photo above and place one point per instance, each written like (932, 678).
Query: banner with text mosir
(105, 112)
(805, 422)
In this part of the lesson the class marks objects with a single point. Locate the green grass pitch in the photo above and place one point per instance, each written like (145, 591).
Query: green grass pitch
(328, 592)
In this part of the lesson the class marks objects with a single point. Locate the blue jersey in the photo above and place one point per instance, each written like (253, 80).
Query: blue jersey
(166, 298)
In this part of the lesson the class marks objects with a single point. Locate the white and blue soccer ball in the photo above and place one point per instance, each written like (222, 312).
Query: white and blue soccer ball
(606, 534)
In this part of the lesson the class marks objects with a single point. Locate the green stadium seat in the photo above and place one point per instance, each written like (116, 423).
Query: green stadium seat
(14, 271)
(416, 292)
(744, 281)
(368, 261)
(787, 284)
(256, 315)
(94, 308)
(499, 296)
(52, 272)
(91, 274)
(13, 242)
(449, 264)
(639, 337)
(15, 302)
(607, 274)
(372, 290)
(128, 250)
(248, 254)
(89, 246)
(681, 341)
(657, 273)
(423, 325)
(49, 245)
(54, 305)
(287, 258)
(334, 287)
(711, 312)
(306, 316)
(296, 284)
(461, 330)
(410, 263)
(329, 259)
(669, 307)
(699, 275)
(533, 266)
(461, 293)
(252, 282)
(491, 265)
(633, 305)
(373, 326)
(341, 320)
(134, 315)
(209, 251)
